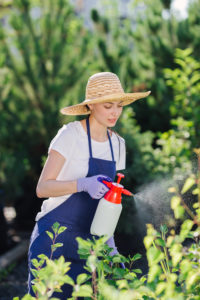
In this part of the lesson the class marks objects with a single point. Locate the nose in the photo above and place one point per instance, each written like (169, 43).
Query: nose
(116, 111)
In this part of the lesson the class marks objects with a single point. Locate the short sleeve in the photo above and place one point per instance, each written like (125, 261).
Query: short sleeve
(121, 162)
(64, 141)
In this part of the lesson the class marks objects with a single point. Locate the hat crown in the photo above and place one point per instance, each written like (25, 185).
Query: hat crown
(103, 84)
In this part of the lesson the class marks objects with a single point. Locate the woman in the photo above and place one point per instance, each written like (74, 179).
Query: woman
(79, 157)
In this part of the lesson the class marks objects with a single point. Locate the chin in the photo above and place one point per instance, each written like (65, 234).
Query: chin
(111, 124)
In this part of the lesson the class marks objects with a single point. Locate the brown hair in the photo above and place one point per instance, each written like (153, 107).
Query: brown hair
(118, 137)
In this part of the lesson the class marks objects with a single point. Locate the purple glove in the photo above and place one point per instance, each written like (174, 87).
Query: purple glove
(111, 244)
(122, 265)
(93, 185)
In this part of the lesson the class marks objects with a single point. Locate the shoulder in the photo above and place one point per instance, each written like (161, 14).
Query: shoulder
(68, 132)
(68, 129)
(65, 139)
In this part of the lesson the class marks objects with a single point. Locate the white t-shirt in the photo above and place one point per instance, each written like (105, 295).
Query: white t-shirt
(72, 142)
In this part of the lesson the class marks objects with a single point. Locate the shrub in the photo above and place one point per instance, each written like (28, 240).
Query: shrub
(173, 259)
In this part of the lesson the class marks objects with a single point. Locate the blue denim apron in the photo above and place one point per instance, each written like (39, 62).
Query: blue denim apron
(76, 213)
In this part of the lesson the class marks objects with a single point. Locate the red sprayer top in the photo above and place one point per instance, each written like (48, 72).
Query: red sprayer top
(116, 190)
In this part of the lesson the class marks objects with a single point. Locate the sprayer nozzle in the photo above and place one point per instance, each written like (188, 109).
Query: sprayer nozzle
(126, 192)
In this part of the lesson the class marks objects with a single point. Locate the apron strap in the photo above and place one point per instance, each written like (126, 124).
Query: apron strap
(90, 144)
(111, 148)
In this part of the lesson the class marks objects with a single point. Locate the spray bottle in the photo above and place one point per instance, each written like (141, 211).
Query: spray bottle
(109, 209)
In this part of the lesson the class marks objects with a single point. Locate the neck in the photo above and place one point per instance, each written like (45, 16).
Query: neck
(97, 130)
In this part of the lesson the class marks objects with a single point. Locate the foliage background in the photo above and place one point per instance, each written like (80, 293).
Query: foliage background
(47, 54)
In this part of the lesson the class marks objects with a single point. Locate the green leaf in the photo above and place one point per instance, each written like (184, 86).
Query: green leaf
(196, 191)
(35, 262)
(154, 255)
(154, 271)
(164, 228)
(83, 291)
(41, 287)
(188, 184)
(107, 268)
(176, 254)
(160, 242)
(161, 286)
(34, 272)
(55, 227)
(82, 278)
(130, 276)
(137, 271)
(34, 289)
(175, 201)
(179, 212)
(84, 244)
(57, 245)
(185, 228)
(41, 263)
(185, 267)
(122, 284)
(67, 279)
(148, 240)
(116, 259)
(50, 234)
(196, 205)
(173, 277)
(61, 229)
(193, 277)
(136, 257)
(119, 273)
(27, 297)
(42, 256)
(158, 234)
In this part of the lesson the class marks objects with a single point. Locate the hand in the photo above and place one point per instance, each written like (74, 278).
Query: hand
(93, 185)
(111, 243)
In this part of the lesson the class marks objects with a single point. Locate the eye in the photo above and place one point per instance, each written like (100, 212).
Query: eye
(107, 106)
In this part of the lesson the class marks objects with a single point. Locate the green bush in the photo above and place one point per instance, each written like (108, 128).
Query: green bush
(39, 67)
(185, 82)
(139, 158)
(173, 259)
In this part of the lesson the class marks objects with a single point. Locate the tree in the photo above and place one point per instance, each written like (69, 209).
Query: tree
(40, 65)
(137, 47)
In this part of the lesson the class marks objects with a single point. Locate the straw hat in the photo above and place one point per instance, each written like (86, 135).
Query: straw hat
(103, 87)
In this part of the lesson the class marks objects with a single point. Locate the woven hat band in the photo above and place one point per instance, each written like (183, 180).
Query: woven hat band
(103, 84)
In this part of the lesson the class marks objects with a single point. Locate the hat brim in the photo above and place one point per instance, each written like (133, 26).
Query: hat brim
(82, 109)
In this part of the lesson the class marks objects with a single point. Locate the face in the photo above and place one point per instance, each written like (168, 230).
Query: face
(106, 113)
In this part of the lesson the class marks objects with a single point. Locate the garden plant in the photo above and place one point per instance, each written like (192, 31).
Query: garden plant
(173, 259)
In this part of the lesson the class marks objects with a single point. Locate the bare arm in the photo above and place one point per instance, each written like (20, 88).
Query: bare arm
(47, 185)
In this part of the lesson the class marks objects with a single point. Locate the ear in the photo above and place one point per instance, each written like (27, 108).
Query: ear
(90, 106)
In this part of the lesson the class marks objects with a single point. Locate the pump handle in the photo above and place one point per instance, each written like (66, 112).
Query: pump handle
(124, 191)
(108, 183)
(120, 176)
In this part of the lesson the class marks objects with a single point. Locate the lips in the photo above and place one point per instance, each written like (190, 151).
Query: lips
(112, 120)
